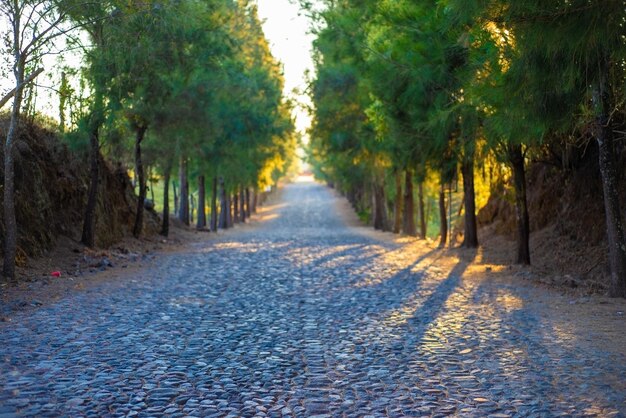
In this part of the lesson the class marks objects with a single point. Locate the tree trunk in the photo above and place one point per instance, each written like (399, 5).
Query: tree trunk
(242, 204)
(397, 209)
(192, 206)
(443, 217)
(408, 224)
(175, 199)
(236, 213)
(201, 223)
(183, 209)
(10, 222)
(429, 207)
(63, 95)
(165, 226)
(420, 202)
(214, 205)
(223, 205)
(470, 238)
(603, 133)
(248, 210)
(255, 199)
(141, 178)
(28, 111)
(350, 195)
(89, 222)
(380, 216)
(152, 187)
(516, 158)
(229, 214)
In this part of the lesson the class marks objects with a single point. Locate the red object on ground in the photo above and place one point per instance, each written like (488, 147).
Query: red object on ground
(56, 274)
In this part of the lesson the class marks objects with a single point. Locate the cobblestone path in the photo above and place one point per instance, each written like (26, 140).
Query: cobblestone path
(300, 316)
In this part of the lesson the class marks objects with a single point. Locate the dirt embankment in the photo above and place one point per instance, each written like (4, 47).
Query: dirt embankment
(51, 191)
(568, 229)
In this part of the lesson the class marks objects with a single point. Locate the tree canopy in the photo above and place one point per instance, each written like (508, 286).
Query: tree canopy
(436, 87)
(163, 85)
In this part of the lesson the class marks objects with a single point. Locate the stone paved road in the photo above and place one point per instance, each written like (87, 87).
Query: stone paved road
(300, 316)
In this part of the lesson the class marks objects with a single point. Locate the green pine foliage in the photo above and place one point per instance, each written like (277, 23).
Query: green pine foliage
(435, 85)
(199, 77)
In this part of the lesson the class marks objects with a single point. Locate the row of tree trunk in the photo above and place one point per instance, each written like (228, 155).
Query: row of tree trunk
(403, 206)
(233, 208)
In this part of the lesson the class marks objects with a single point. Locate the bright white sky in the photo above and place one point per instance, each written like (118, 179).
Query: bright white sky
(290, 42)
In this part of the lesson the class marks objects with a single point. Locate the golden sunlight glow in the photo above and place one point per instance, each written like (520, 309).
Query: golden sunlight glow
(503, 39)
(269, 217)
(435, 273)
(509, 301)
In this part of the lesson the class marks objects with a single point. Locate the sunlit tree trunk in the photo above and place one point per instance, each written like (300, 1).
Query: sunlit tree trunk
(408, 224)
(443, 217)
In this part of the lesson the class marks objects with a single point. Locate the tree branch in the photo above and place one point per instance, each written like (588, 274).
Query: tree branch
(27, 80)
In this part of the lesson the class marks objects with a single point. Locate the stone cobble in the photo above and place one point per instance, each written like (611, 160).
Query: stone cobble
(301, 316)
